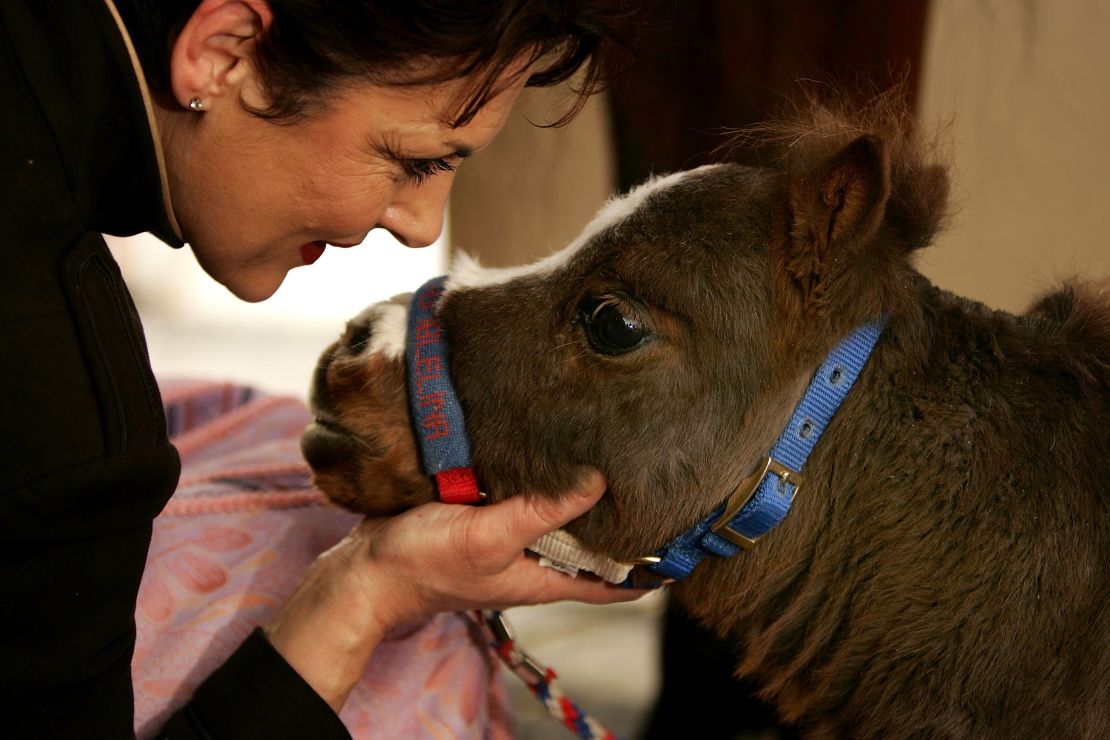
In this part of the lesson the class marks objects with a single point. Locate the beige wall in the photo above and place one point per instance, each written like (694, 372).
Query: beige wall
(1027, 88)
(533, 189)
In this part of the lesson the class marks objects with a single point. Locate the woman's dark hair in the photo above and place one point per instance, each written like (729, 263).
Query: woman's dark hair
(315, 46)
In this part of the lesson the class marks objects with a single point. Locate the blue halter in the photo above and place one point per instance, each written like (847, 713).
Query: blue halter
(436, 412)
(756, 506)
(445, 450)
(762, 500)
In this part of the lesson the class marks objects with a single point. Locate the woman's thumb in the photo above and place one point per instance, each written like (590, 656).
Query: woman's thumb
(532, 515)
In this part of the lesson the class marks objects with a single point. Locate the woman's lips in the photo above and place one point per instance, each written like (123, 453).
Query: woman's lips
(311, 252)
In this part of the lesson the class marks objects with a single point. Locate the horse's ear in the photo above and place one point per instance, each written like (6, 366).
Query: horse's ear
(839, 203)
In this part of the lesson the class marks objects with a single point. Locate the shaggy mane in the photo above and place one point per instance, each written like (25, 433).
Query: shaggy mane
(822, 123)
(1077, 332)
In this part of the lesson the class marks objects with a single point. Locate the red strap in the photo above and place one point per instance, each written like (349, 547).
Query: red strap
(458, 486)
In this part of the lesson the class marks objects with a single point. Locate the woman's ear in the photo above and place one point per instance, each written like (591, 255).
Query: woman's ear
(211, 58)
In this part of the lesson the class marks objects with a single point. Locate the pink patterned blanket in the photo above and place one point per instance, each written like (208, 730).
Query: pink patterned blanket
(232, 544)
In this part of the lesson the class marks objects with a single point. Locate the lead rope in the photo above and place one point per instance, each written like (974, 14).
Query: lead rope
(445, 452)
(539, 679)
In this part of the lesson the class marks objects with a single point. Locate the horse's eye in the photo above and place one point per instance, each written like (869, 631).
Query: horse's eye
(609, 328)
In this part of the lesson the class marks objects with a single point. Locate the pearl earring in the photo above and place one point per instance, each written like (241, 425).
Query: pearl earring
(196, 104)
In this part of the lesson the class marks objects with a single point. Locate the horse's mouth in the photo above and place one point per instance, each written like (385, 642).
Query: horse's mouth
(326, 444)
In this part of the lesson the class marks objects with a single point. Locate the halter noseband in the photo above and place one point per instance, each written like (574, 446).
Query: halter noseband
(436, 412)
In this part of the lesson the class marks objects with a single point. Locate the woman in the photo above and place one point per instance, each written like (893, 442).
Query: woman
(259, 131)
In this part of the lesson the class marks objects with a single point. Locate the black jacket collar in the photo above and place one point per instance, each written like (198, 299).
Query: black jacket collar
(94, 102)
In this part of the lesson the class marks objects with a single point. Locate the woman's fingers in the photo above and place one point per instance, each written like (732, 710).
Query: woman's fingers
(521, 520)
(440, 557)
(536, 584)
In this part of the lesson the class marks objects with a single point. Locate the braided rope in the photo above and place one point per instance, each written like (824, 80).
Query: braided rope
(539, 679)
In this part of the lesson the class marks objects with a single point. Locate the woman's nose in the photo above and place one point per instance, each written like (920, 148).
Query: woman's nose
(416, 217)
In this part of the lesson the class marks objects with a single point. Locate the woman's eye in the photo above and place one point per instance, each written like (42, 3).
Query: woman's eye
(609, 329)
(419, 170)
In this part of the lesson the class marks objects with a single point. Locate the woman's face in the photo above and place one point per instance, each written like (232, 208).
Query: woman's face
(256, 199)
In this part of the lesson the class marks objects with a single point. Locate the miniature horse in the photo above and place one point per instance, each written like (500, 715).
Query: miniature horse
(944, 568)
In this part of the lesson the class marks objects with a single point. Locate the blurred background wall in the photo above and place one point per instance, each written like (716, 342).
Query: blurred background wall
(532, 189)
(1026, 87)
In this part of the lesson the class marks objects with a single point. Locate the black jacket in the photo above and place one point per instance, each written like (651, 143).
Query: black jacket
(86, 464)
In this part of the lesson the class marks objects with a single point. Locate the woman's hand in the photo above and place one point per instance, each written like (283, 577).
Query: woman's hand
(436, 557)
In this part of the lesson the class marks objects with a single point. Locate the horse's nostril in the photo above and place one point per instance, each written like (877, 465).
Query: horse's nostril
(357, 338)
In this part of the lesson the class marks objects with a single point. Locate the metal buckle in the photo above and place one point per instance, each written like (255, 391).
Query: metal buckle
(500, 629)
(529, 671)
(519, 662)
(644, 560)
(743, 493)
(641, 577)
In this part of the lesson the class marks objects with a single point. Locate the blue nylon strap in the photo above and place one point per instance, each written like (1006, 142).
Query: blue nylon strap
(771, 501)
(436, 412)
(682, 554)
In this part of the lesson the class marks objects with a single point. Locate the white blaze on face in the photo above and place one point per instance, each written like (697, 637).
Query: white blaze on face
(467, 273)
(389, 321)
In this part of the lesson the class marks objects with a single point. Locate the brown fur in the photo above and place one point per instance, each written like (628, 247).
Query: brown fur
(383, 451)
(944, 569)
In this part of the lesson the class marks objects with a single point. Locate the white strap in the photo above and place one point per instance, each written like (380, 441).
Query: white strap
(562, 551)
